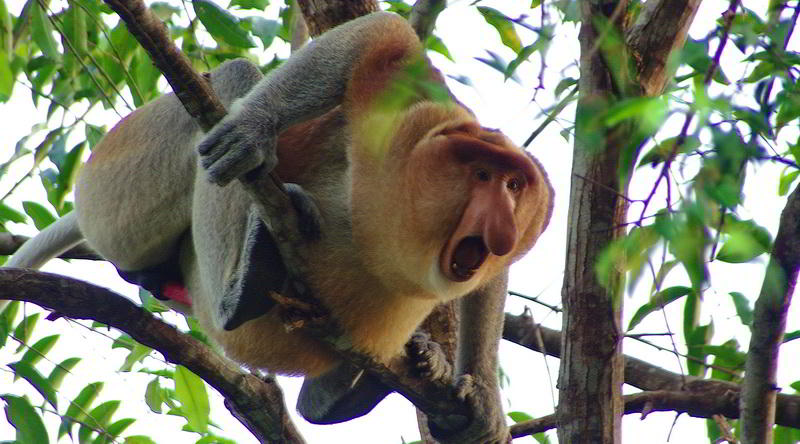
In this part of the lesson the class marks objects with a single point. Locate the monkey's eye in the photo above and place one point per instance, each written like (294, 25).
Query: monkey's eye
(514, 185)
(483, 175)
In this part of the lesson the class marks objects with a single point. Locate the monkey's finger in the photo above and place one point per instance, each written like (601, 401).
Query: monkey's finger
(234, 163)
(223, 145)
(214, 138)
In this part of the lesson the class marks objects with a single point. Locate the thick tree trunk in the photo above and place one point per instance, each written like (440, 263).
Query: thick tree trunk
(322, 15)
(592, 369)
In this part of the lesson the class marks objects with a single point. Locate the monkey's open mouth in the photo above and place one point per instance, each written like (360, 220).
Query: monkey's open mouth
(465, 259)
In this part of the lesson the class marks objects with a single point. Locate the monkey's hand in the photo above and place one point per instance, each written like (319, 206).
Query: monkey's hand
(487, 424)
(428, 358)
(244, 140)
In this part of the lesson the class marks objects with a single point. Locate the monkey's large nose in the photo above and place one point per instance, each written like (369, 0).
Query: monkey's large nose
(500, 230)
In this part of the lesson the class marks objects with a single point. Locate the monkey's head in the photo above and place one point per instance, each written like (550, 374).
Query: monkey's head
(465, 204)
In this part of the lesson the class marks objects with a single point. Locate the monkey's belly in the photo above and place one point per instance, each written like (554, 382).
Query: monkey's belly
(264, 343)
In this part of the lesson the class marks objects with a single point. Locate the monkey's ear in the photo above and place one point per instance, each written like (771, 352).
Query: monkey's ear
(341, 394)
(260, 271)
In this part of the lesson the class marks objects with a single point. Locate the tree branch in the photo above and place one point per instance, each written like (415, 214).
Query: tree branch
(660, 30)
(695, 403)
(760, 386)
(423, 16)
(645, 376)
(257, 402)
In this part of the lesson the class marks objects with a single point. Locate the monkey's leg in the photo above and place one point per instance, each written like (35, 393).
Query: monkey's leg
(260, 271)
(344, 393)
(260, 268)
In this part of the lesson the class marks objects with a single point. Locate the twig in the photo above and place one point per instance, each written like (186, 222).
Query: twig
(423, 16)
(551, 116)
(728, 16)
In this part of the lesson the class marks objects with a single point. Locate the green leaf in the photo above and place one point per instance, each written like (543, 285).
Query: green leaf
(139, 439)
(26, 371)
(221, 24)
(6, 77)
(695, 343)
(154, 395)
(42, 32)
(666, 267)
(518, 417)
(123, 341)
(787, 179)
(734, 359)
(191, 392)
(39, 349)
(740, 247)
(5, 329)
(264, 29)
(29, 425)
(40, 215)
(786, 435)
(743, 309)
(9, 214)
(138, 353)
(564, 84)
(504, 27)
(523, 55)
(436, 44)
(657, 302)
(97, 419)
(648, 111)
(746, 241)
(113, 431)
(68, 173)
(61, 370)
(660, 152)
(498, 63)
(25, 329)
(627, 254)
(164, 10)
(9, 314)
(6, 30)
(251, 4)
(791, 336)
(762, 70)
(213, 439)
(77, 409)
(789, 101)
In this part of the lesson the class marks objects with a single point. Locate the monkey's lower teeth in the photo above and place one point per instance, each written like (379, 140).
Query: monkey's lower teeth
(461, 272)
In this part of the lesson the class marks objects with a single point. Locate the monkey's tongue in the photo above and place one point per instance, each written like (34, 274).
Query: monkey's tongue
(467, 257)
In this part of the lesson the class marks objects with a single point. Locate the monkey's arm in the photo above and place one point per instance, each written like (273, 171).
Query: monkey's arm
(310, 83)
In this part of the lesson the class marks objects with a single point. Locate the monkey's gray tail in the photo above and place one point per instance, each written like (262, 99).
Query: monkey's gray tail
(57, 238)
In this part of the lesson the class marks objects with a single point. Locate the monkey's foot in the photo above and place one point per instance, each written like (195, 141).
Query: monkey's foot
(343, 393)
(428, 358)
(487, 424)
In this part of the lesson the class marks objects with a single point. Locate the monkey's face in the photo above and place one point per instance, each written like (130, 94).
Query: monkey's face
(470, 203)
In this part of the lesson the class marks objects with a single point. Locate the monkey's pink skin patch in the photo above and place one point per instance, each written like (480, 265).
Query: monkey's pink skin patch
(177, 293)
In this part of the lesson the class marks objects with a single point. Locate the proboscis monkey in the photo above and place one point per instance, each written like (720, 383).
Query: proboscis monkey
(418, 204)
